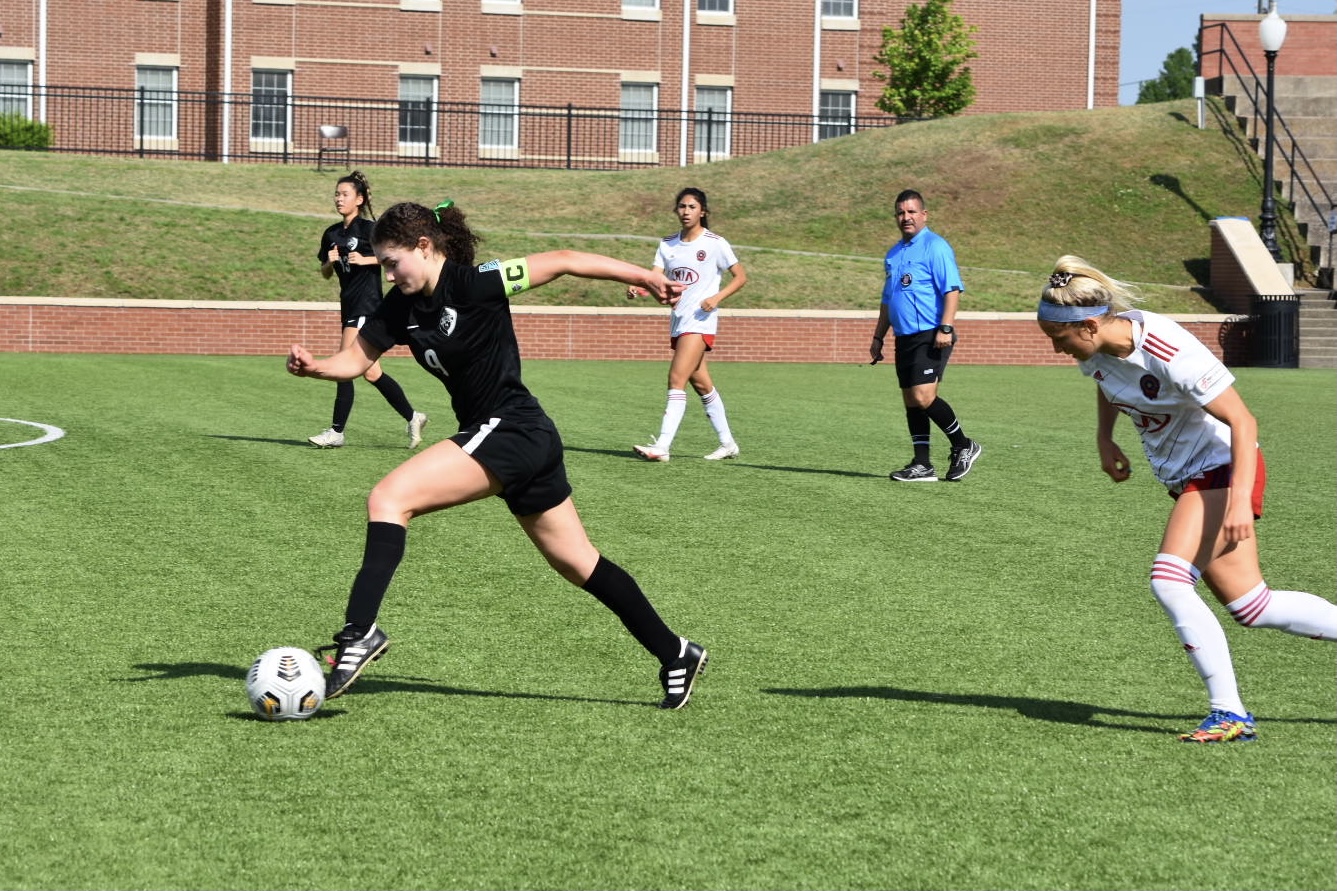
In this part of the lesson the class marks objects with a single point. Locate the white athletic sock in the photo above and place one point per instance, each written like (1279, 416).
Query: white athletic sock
(1173, 581)
(714, 407)
(673, 412)
(1294, 612)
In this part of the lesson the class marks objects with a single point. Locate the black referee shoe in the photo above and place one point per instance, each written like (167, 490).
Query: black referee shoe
(678, 676)
(963, 460)
(352, 654)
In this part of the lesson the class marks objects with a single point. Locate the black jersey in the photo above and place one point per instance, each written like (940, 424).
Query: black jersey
(359, 286)
(463, 335)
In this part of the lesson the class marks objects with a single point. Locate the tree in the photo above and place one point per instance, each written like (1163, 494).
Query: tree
(927, 75)
(1175, 80)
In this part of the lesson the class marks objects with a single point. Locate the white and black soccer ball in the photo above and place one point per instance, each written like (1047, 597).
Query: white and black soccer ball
(285, 684)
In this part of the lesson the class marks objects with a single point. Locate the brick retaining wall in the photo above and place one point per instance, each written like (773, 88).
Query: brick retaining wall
(68, 325)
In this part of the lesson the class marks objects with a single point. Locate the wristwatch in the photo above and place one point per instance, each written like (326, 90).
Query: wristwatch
(946, 329)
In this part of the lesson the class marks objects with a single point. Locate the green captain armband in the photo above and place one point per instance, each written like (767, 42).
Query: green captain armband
(515, 274)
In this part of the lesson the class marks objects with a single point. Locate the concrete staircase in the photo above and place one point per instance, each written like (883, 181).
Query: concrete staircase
(1318, 329)
(1308, 106)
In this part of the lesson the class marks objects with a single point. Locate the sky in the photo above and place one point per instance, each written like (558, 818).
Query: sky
(1152, 29)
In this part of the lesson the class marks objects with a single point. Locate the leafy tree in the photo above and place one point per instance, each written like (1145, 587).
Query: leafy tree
(1175, 80)
(927, 75)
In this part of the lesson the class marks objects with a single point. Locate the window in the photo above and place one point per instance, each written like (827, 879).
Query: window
(500, 124)
(835, 115)
(841, 9)
(155, 104)
(417, 111)
(642, 4)
(725, 6)
(712, 122)
(16, 88)
(270, 92)
(638, 126)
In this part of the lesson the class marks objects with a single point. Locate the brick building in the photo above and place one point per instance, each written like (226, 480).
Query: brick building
(644, 62)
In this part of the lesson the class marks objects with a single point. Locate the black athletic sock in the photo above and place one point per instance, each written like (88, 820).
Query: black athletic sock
(917, 420)
(612, 586)
(343, 405)
(394, 394)
(941, 413)
(380, 559)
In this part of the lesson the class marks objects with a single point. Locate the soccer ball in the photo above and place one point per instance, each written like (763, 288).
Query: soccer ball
(285, 684)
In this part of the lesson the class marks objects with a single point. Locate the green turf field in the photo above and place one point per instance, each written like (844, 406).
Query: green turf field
(950, 686)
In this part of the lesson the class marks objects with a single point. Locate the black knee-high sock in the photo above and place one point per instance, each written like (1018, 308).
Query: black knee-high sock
(616, 589)
(343, 404)
(380, 559)
(941, 414)
(917, 420)
(394, 394)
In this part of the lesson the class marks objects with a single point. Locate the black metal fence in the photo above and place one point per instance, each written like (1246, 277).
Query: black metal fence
(210, 126)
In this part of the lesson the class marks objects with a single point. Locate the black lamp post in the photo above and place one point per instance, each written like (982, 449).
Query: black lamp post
(1272, 34)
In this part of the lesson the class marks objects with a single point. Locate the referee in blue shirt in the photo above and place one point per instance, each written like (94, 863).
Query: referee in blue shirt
(919, 302)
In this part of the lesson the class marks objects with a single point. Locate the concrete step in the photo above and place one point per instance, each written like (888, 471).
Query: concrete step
(1318, 361)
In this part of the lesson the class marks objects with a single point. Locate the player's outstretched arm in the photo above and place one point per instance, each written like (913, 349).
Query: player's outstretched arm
(345, 365)
(547, 266)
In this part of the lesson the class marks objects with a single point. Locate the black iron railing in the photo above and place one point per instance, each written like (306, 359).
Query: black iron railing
(249, 128)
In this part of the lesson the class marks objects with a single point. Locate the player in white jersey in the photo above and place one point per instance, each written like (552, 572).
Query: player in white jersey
(1202, 442)
(696, 258)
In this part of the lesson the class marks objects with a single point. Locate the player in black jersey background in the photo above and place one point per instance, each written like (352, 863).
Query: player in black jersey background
(345, 250)
(455, 318)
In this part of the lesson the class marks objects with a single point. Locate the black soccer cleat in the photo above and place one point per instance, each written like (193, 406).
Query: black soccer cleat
(352, 654)
(678, 676)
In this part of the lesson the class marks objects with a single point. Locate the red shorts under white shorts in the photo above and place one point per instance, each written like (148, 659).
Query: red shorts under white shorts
(708, 338)
(1219, 478)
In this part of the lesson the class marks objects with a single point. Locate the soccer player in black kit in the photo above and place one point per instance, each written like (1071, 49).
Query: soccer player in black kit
(345, 250)
(455, 318)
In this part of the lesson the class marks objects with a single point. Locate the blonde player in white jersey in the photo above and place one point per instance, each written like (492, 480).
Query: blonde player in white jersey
(697, 258)
(1202, 442)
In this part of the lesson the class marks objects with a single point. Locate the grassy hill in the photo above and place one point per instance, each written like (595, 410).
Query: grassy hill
(1131, 189)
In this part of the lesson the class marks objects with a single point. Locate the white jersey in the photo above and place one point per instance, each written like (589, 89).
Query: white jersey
(1162, 386)
(698, 264)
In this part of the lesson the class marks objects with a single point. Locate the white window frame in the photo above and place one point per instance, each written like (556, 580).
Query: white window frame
(156, 96)
(836, 9)
(499, 121)
(416, 147)
(722, 143)
(832, 123)
(271, 132)
(638, 125)
(16, 87)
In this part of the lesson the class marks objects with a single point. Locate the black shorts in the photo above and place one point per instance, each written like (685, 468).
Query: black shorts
(919, 361)
(525, 455)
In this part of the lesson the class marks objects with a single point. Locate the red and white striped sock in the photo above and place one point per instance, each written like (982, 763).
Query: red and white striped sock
(1173, 581)
(1294, 612)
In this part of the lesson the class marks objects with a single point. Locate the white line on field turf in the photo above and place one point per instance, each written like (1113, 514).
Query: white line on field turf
(52, 433)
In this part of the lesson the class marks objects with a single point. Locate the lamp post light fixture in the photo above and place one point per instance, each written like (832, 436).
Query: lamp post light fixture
(1271, 34)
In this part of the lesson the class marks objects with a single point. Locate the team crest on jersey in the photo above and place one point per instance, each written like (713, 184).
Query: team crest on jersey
(1151, 386)
(700, 256)
(352, 243)
(448, 319)
(906, 280)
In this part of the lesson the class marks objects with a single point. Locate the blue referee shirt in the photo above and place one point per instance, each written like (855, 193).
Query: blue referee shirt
(919, 273)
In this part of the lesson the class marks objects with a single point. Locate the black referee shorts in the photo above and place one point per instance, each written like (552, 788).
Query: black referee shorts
(919, 361)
